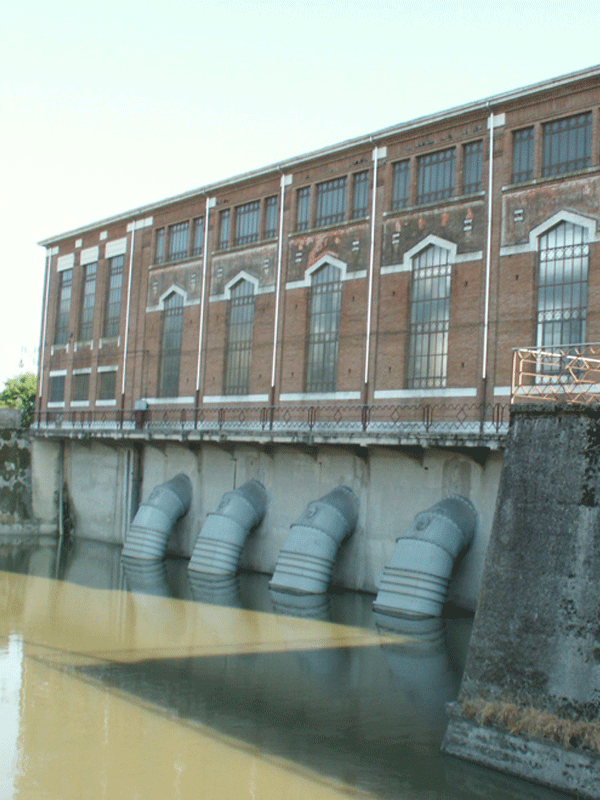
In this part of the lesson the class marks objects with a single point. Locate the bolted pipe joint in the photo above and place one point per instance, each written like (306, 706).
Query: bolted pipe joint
(306, 560)
(415, 582)
(221, 540)
(156, 517)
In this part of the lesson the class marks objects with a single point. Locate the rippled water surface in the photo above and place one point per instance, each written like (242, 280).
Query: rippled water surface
(122, 680)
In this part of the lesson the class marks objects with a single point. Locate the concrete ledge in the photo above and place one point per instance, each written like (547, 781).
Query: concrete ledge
(545, 763)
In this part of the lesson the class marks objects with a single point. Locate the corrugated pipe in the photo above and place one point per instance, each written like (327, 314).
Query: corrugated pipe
(219, 545)
(306, 560)
(415, 582)
(148, 533)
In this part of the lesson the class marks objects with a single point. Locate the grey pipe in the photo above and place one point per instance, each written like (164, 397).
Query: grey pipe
(155, 518)
(219, 544)
(415, 582)
(306, 560)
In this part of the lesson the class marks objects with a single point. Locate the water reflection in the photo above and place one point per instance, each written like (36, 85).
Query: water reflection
(219, 688)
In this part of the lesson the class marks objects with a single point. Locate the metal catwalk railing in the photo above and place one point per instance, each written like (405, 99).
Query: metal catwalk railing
(430, 419)
(566, 374)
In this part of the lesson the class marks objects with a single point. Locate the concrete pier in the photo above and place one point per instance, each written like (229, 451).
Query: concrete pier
(530, 696)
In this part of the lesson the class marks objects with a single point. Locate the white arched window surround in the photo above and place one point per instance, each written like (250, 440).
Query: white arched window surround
(173, 289)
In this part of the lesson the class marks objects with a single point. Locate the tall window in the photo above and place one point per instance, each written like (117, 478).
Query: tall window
(303, 209)
(522, 167)
(88, 301)
(400, 184)
(112, 311)
(325, 306)
(472, 153)
(436, 173)
(65, 291)
(179, 240)
(429, 319)
(107, 384)
(224, 222)
(170, 354)
(159, 246)
(562, 285)
(239, 339)
(271, 209)
(567, 144)
(198, 245)
(81, 386)
(247, 223)
(360, 195)
(57, 389)
(331, 202)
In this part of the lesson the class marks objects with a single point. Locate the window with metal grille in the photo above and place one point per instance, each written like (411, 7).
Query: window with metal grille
(522, 166)
(436, 176)
(567, 144)
(198, 245)
(57, 389)
(325, 306)
(65, 291)
(562, 285)
(303, 209)
(331, 202)
(271, 213)
(239, 339)
(429, 319)
(81, 386)
(471, 172)
(247, 223)
(360, 194)
(88, 302)
(170, 354)
(224, 220)
(159, 246)
(400, 184)
(107, 384)
(112, 311)
(179, 241)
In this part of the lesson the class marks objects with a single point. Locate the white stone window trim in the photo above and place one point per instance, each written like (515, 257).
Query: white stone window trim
(106, 403)
(57, 373)
(168, 401)
(401, 394)
(532, 246)
(80, 403)
(82, 371)
(235, 398)
(56, 405)
(110, 368)
(65, 262)
(295, 397)
(306, 282)
(242, 275)
(116, 247)
(89, 255)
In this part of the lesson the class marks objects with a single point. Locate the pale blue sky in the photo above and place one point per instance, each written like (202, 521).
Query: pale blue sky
(110, 106)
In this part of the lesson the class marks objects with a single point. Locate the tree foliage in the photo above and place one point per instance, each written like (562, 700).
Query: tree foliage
(20, 392)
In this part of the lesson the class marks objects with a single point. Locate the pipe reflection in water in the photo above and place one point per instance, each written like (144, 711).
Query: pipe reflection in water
(220, 542)
(146, 577)
(306, 559)
(148, 533)
(293, 604)
(215, 589)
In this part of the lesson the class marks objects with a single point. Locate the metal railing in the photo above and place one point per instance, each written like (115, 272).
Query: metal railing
(566, 374)
(406, 419)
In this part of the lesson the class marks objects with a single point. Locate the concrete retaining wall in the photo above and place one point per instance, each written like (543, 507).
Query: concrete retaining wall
(393, 484)
(16, 514)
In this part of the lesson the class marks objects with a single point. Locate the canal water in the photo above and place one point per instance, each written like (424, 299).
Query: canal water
(121, 680)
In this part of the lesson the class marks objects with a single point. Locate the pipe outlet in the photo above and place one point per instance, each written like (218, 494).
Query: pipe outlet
(221, 540)
(156, 517)
(415, 582)
(306, 560)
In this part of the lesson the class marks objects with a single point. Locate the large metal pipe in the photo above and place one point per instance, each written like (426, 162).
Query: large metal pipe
(306, 560)
(415, 582)
(148, 533)
(219, 544)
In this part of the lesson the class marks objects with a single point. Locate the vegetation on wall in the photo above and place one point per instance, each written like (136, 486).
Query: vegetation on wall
(20, 392)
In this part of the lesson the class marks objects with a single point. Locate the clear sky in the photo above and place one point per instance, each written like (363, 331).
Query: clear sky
(111, 105)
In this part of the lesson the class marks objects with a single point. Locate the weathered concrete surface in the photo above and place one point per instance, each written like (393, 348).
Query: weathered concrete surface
(536, 637)
(16, 513)
(393, 485)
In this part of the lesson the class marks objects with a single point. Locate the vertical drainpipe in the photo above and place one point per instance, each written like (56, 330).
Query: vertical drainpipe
(378, 152)
(45, 300)
(286, 180)
(488, 265)
(210, 203)
(127, 315)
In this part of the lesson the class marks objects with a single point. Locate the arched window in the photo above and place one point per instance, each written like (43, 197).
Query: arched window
(562, 285)
(429, 319)
(325, 305)
(239, 339)
(170, 353)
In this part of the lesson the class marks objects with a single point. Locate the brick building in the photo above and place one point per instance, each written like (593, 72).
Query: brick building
(391, 270)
